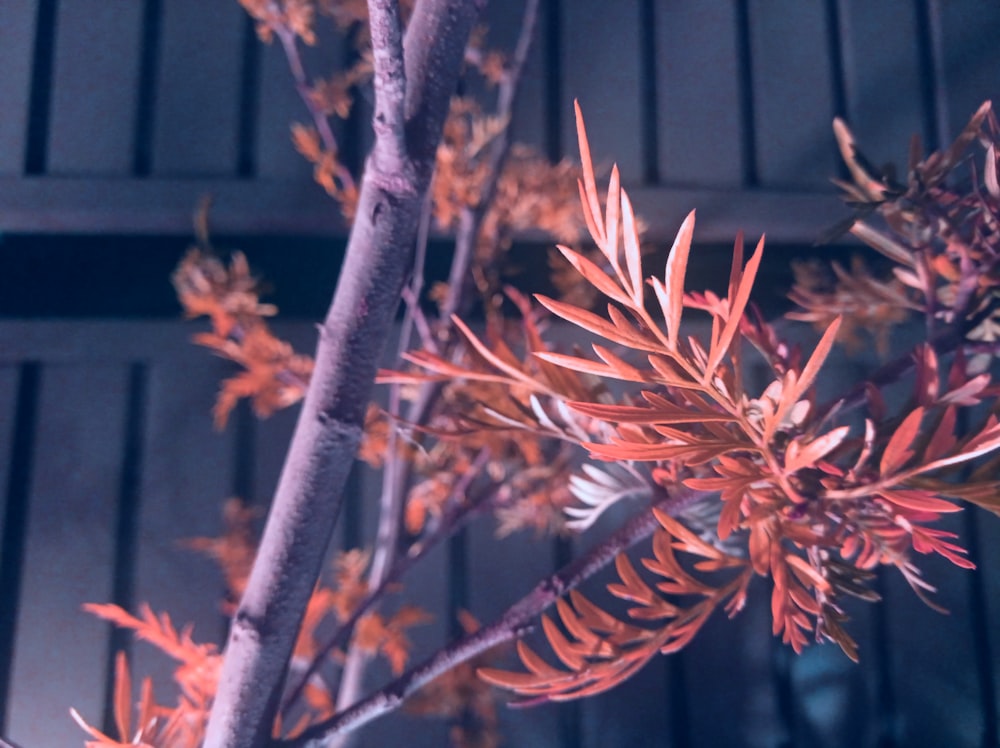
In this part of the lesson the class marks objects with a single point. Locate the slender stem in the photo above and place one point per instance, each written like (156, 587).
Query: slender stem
(311, 487)
(471, 218)
(385, 24)
(289, 43)
(457, 517)
(515, 622)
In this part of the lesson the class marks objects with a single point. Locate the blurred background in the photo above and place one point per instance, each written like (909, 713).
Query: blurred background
(118, 116)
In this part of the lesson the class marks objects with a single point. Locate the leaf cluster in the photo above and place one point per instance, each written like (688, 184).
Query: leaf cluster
(274, 376)
(938, 229)
(804, 498)
(333, 608)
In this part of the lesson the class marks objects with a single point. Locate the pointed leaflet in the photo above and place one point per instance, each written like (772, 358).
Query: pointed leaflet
(513, 371)
(672, 295)
(625, 370)
(918, 500)
(123, 697)
(848, 150)
(613, 203)
(640, 414)
(897, 451)
(633, 257)
(563, 648)
(582, 365)
(594, 275)
(736, 306)
(597, 325)
(588, 187)
(798, 456)
(798, 385)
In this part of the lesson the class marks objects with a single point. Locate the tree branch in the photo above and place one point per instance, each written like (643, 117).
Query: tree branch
(396, 476)
(310, 490)
(455, 519)
(290, 45)
(515, 622)
(471, 217)
(390, 78)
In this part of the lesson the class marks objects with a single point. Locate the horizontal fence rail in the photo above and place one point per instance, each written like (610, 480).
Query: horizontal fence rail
(118, 115)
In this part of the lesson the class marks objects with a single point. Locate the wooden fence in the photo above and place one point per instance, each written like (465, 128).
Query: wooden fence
(109, 459)
(117, 115)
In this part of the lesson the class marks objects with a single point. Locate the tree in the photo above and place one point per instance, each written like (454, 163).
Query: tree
(748, 484)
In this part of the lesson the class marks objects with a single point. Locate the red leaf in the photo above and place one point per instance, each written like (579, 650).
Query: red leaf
(672, 298)
(897, 451)
(919, 501)
(592, 204)
(736, 306)
(633, 260)
(594, 275)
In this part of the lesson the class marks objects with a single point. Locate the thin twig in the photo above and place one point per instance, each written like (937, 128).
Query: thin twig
(310, 491)
(384, 22)
(515, 622)
(289, 43)
(457, 517)
(471, 217)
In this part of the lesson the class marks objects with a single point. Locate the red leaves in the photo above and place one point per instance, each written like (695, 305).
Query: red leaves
(597, 650)
(796, 495)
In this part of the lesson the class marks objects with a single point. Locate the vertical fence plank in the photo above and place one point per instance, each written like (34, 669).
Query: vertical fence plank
(832, 702)
(932, 659)
(988, 528)
(19, 460)
(500, 572)
(60, 653)
(609, 718)
(185, 480)
(698, 96)
(95, 87)
(792, 93)
(8, 409)
(971, 57)
(198, 89)
(727, 669)
(17, 31)
(601, 67)
(883, 78)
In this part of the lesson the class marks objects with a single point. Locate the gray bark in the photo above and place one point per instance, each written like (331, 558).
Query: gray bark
(379, 255)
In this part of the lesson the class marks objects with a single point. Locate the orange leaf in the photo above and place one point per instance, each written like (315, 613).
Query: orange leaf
(123, 697)
(798, 456)
(736, 307)
(672, 298)
(592, 204)
(636, 414)
(594, 275)
(535, 663)
(816, 360)
(613, 209)
(633, 259)
(919, 501)
(897, 451)
(563, 648)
